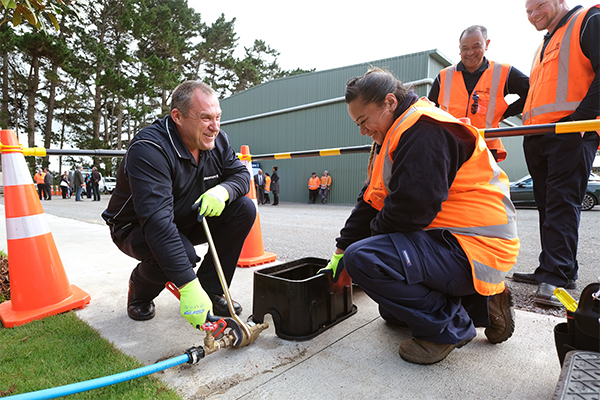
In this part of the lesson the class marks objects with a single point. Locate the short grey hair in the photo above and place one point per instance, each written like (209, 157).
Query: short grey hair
(181, 98)
(474, 28)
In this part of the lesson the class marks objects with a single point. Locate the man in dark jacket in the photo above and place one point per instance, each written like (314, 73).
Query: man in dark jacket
(78, 183)
(177, 171)
(259, 183)
(48, 183)
(95, 179)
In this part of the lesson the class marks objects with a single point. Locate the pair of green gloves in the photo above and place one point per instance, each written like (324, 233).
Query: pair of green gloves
(194, 301)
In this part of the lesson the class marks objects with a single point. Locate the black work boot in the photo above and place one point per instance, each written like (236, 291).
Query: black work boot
(139, 310)
(220, 306)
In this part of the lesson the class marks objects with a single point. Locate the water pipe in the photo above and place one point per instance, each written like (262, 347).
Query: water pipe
(191, 356)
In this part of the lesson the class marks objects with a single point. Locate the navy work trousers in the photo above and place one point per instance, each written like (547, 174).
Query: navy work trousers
(228, 231)
(421, 278)
(560, 166)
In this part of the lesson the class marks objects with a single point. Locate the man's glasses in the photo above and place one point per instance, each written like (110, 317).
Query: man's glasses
(475, 104)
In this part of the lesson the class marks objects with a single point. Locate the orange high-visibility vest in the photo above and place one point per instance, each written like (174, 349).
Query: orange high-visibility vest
(562, 78)
(325, 181)
(454, 98)
(267, 184)
(313, 183)
(478, 210)
(39, 178)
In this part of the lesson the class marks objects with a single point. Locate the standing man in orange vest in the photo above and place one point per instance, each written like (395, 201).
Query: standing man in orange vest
(565, 86)
(314, 183)
(325, 186)
(475, 87)
(39, 178)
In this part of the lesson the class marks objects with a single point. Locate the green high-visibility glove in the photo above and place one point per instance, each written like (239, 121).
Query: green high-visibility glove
(212, 202)
(333, 267)
(194, 303)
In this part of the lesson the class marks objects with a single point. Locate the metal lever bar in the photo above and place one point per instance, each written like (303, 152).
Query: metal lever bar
(246, 330)
(596, 296)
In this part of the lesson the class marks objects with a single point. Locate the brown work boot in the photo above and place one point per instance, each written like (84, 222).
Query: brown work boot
(502, 318)
(418, 351)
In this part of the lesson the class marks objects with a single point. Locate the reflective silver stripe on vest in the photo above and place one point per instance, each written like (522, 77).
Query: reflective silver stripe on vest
(506, 231)
(387, 161)
(488, 274)
(562, 84)
(491, 110)
(448, 87)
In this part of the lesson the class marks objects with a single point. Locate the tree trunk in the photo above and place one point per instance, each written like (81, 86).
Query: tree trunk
(32, 88)
(4, 116)
(119, 125)
(50, 113)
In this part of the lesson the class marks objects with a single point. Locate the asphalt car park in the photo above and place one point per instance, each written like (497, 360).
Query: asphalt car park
(521, 192)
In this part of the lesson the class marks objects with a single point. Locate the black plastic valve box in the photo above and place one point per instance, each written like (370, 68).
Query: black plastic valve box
(302, 303)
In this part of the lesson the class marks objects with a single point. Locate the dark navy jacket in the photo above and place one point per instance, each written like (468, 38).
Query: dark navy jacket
(159, 181)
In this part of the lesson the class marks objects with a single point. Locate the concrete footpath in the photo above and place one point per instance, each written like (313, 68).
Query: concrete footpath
(356, 359)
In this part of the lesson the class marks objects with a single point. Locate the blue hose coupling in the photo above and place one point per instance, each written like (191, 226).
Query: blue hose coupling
(195, 354)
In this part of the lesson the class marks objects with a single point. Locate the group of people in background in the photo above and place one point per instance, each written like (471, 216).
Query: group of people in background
(91, 183)
(265, 184)
(559, 164)
(318, 187)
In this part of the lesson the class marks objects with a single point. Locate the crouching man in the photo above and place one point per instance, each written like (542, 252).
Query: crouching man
(177, 171)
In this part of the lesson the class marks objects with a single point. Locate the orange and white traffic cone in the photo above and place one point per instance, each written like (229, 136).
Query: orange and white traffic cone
(253, 252)
(38, 283)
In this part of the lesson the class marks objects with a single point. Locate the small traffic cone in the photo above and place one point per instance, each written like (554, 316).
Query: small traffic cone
(253, 252)
(38, 282)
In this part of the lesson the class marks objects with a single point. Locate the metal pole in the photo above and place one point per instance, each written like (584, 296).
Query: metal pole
(556, 128)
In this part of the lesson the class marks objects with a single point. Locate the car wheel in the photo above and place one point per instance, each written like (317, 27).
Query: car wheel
(589, 201)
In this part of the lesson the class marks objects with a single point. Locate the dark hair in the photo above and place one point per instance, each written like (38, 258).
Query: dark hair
(181, 98)
(474, 28)
(275, 168)
(373, 86)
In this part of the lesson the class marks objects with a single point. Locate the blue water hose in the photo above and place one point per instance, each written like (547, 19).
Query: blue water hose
(192, 356)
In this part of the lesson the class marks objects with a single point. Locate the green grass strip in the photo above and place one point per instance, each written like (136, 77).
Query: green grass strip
(61, 350)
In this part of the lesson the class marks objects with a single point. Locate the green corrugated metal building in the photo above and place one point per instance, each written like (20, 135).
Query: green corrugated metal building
(307, 112)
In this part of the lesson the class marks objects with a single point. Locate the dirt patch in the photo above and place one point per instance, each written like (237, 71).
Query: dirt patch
(4, 282)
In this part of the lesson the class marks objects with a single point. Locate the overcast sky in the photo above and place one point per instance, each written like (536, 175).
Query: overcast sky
(330, 34)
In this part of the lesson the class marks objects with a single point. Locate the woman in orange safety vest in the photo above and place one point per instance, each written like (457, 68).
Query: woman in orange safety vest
(434, 231)
(267, 188)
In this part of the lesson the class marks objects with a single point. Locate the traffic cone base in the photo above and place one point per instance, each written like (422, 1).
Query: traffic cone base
(11, 318)
(254, 261)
